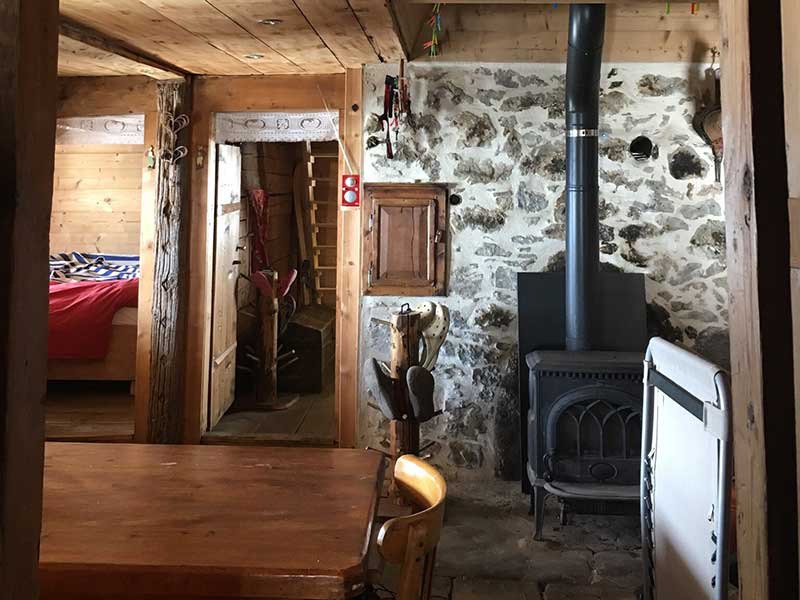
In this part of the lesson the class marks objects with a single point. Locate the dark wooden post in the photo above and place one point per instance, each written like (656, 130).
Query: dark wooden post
(168, 346)
(757, 219)
(28, 57)
(404, 353)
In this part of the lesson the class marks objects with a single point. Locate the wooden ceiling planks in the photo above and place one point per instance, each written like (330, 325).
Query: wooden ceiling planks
(139, 26)
(208, 23)
(337, 26)
(293, 37)
(380, 28)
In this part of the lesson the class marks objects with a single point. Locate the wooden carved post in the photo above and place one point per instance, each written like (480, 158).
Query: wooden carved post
(168, 350)
(268, 312)
(405, 338)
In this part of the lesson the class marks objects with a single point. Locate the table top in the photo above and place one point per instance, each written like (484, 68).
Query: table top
(196, 521)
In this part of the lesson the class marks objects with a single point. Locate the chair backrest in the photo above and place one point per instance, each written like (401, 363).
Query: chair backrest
(411, 540)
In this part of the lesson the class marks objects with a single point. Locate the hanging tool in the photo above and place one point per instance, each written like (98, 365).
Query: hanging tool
(390, 85)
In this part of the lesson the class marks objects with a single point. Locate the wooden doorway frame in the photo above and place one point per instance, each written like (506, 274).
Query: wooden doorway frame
(99, 96)
(272, 94)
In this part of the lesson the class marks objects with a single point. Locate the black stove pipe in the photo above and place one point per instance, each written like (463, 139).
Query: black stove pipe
(586, 29)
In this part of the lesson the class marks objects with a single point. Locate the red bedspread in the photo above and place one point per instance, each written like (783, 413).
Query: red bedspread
(81, 315)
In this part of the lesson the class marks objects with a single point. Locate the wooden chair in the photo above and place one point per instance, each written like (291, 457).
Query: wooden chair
(411, 541)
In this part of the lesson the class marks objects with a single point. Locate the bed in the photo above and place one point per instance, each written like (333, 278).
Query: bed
(93, 317)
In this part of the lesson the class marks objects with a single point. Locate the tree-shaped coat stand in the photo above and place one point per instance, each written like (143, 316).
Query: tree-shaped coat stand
(406, 384)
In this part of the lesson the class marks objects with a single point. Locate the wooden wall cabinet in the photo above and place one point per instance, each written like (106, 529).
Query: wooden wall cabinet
(405, 250)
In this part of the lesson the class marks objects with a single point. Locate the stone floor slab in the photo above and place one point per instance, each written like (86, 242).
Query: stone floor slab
(494, 589)
(563, 591)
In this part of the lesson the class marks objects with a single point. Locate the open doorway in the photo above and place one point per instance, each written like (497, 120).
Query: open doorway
(94, 278)
(274, 294)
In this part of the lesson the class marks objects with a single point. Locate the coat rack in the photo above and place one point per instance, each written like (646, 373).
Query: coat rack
(406, 383)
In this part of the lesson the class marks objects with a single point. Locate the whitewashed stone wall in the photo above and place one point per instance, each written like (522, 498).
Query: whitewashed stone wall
(494, 133)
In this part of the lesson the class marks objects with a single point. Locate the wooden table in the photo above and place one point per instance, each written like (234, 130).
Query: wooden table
(139, 521)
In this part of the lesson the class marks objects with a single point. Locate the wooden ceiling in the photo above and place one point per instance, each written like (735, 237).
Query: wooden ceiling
(226, 37)
(230, 37)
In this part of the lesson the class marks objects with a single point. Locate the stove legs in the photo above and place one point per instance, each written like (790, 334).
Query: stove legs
(537, 507)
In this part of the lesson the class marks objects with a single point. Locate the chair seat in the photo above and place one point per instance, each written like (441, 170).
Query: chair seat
(594, 491)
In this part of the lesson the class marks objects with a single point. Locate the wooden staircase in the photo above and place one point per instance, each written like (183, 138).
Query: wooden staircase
(321, 214)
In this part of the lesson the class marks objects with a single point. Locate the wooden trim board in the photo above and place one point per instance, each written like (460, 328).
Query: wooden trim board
(348, 273)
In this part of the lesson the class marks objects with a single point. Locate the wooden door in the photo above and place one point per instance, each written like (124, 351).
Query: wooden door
(407, 239)
(226, 272)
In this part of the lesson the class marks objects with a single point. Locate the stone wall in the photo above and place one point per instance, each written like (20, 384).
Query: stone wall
(495, 134)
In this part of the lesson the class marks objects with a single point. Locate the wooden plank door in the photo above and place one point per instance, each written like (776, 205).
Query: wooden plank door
(226, 272)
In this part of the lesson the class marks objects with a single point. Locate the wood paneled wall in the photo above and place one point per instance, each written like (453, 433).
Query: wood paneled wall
(97, 199)
(537, 32)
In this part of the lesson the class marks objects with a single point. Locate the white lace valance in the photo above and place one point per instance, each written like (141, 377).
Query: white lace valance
(277, 127)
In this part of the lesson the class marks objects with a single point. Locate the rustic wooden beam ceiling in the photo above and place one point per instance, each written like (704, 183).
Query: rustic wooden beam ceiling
(84, 52)
(282, 37)
(237, 37)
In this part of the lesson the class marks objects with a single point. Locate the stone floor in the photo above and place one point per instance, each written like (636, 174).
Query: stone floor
(487, 551)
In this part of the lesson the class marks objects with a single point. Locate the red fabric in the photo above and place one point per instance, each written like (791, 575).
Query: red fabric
(81, 315)
(258, 209)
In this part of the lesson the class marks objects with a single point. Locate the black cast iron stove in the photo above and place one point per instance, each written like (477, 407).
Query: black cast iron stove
(582, 333)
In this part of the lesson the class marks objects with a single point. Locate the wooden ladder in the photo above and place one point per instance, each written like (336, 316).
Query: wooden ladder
(315, 226)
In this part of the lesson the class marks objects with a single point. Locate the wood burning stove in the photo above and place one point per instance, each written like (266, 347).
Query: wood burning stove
(585, 427)
(583, 333)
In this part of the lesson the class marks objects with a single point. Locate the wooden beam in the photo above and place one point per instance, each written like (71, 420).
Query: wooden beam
(348, 260)
(144, 65)
(28, 60)
(757, 225)
(170, 266)
(409, 21)
(375, 17)
(144, 324)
